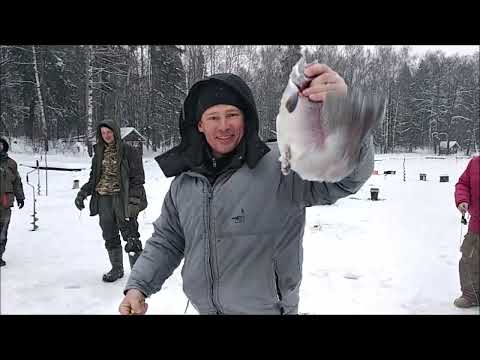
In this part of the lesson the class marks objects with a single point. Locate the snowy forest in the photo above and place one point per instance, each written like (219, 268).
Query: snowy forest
(53, 95)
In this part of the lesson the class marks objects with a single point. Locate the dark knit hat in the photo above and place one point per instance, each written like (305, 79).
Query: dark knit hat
(107, 126)
(215, 93)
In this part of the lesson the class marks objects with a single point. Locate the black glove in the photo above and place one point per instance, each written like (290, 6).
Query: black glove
(133, 207)
(79, 201)
(133, 245)
(20, 203)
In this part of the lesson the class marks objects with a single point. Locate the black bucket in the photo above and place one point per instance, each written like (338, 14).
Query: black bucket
(374, 194)
(443, 178)
(423, 177)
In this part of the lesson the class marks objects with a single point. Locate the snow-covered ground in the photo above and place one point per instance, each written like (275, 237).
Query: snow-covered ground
(398, 255)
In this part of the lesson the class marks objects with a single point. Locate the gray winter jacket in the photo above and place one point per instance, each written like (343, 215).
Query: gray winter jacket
(241, 239)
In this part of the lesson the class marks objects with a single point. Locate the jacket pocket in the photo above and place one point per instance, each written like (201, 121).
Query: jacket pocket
(194, 280)
(288, 275)
(276, 282)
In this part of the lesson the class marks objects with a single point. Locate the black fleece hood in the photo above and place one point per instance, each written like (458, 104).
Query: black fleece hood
(190, 153)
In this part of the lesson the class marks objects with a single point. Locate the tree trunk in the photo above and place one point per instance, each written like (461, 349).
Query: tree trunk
(394, 127)
(40, 101)
(89, 100)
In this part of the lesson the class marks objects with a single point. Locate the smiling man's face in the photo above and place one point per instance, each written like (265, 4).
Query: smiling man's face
(223, 127)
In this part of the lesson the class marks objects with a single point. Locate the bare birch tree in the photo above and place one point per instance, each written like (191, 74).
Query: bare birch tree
(40, 100)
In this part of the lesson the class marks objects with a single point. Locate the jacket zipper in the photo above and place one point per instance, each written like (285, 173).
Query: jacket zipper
(212, 291)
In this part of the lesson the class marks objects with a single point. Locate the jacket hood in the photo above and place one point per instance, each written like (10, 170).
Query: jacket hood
(111, 125)
(190, 152)
(5, 144)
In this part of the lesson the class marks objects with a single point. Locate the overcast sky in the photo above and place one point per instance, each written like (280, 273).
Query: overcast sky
(447, 49)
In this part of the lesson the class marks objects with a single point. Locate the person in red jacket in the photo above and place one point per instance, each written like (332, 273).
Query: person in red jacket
(467, 199)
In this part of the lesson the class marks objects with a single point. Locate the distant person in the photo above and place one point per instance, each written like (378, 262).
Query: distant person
(467, 199)
(118, 195)
(11, 188)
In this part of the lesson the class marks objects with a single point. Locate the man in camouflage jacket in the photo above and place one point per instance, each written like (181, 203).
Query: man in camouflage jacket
(118, 195)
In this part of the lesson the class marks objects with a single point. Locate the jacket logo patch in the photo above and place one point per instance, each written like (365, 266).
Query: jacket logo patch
(239, 219)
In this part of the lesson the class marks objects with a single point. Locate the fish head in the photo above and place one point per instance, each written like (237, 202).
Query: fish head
(297, 82)
(297, 75)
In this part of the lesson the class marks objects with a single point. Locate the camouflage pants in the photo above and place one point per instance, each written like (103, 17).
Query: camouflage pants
(5, 215)
(469, 266)
(112, 222)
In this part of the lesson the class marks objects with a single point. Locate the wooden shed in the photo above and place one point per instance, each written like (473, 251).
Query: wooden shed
(453, 147)
(131, 136)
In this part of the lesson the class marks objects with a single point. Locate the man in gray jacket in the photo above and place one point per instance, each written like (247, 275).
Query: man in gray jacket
(230, 213)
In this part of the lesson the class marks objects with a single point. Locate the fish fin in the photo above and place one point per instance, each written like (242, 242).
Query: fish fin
(368, 111)
(285, 160)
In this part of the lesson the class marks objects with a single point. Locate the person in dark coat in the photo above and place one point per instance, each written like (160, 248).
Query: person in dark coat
(11, 188)
(118, 195)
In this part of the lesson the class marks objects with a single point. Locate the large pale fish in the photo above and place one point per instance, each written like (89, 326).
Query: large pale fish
(321, 141)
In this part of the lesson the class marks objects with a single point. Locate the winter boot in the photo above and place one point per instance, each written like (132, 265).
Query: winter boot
(116, 259)
(465, 302)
